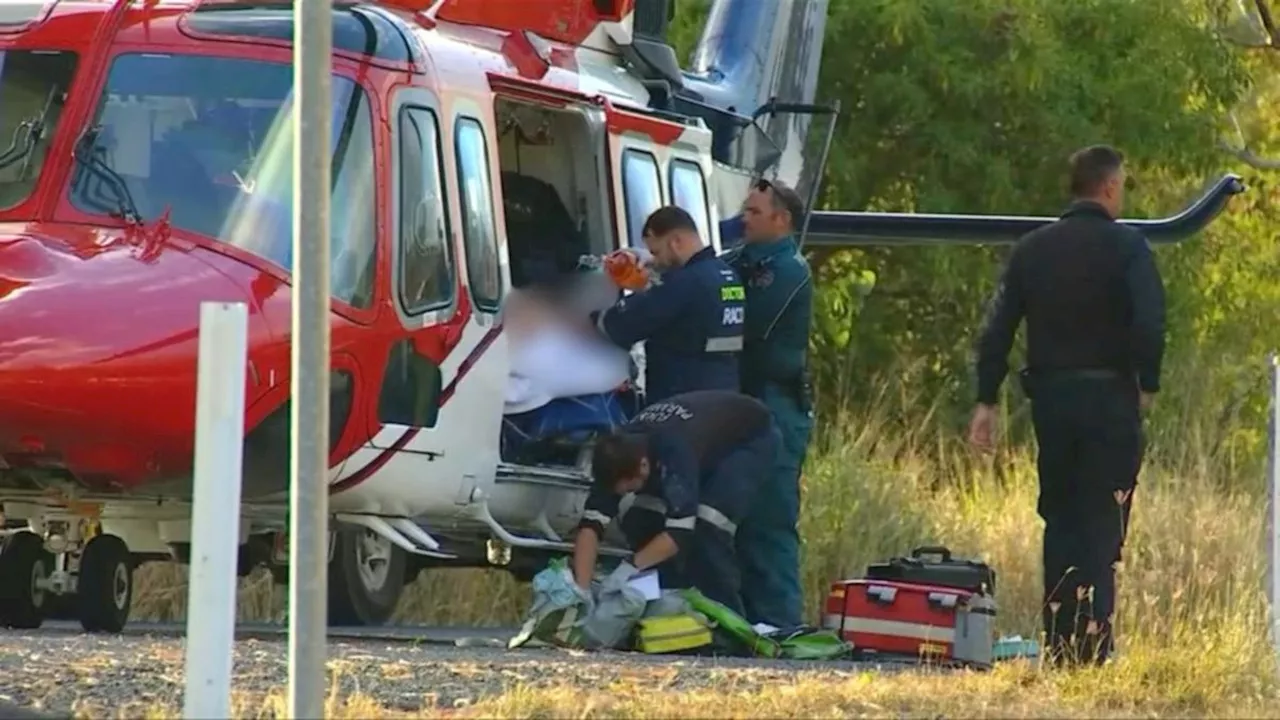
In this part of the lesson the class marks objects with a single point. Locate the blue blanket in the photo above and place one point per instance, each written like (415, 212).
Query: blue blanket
(573, 419)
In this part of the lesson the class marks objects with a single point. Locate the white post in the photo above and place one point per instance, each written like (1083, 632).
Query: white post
(309, 497)
(1273, 502)
(215, 509)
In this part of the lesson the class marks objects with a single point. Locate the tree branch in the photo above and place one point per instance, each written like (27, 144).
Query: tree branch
(1243, 153)
(1256, 16)
(1248, 157)
(1268, 23)
(1264, 24)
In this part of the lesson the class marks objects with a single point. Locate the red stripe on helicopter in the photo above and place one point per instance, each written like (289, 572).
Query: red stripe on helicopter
(566, 21)
(385, 456)
(662, 132)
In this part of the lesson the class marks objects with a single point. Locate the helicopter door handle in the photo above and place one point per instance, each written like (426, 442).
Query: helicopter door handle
(452, 336)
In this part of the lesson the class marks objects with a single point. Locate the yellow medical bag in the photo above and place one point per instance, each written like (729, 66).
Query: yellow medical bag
(672, 633)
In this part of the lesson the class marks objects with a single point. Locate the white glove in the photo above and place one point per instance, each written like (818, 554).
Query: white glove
(620, 575)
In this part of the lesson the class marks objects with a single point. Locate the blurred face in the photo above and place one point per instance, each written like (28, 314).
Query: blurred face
(761, 222)
(665, 250)
(525, 312)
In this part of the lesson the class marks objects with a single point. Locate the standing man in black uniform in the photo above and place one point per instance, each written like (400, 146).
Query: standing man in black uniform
(1095, 311)
(694, 461)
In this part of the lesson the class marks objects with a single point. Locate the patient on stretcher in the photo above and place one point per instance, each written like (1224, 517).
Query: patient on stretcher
(564, 380)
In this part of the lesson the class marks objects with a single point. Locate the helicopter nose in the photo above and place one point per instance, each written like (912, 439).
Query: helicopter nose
(98, 355)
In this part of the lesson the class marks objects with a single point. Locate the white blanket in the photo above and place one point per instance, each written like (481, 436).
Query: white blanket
(557, 362)
(552, 359)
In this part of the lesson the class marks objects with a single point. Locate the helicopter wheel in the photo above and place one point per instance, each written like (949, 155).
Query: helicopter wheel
(104, 590)
(366, 577)
(24, 571)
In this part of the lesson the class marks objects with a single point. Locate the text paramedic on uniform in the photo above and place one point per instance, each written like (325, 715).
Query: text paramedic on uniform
(1094, 305)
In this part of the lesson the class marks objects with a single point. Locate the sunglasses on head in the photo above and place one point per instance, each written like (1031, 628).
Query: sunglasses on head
(792, 207)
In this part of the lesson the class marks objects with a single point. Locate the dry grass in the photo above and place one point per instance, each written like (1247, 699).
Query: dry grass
(1136, 687)
(1192, 620)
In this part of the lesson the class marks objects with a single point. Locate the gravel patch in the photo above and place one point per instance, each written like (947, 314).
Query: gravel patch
(60, 671)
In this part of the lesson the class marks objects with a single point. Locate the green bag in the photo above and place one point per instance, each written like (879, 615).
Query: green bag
(807, 644)
(814, 644)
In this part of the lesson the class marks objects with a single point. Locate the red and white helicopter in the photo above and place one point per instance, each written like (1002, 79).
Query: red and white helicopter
(150, 170)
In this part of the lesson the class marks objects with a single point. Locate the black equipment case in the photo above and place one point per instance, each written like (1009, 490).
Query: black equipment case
(934, 565)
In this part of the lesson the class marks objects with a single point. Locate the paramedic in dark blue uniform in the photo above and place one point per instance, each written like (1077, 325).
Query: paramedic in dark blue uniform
(1095, 311)
(691, 321)
(775, 349)
(694, 462)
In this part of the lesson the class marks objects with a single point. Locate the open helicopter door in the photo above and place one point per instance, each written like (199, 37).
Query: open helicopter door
(610, 142)
(578, 179)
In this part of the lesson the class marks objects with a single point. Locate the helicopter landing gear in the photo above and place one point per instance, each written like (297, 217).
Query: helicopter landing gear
(68, 570)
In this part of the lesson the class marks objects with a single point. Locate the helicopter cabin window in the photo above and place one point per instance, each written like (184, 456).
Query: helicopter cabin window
(642, 190)
(207, 140)
(479, 231)
(426, 259)
(33, 86)
(689, 191)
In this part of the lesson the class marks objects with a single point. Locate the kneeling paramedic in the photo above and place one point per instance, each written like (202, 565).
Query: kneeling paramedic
(694, 462)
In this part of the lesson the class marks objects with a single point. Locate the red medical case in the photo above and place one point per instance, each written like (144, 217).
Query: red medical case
(931, 621)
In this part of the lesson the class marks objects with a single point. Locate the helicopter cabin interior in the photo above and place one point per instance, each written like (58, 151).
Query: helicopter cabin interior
(556, 205)
(551, 189)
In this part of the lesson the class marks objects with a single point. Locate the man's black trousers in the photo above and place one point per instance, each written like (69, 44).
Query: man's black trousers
(1089, 429)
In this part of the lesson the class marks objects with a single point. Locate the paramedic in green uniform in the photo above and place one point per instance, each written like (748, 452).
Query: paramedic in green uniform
(779, 299)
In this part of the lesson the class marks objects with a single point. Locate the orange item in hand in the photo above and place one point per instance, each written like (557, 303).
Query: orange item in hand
(625, 270)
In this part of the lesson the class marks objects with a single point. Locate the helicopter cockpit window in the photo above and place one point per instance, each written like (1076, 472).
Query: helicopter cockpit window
(208, 140)
(642, 190)
(33, 85)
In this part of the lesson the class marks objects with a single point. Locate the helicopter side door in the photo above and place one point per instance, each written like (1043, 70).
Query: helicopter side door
(426, 437)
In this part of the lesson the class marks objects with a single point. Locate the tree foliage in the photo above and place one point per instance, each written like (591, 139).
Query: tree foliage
(974, 107)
